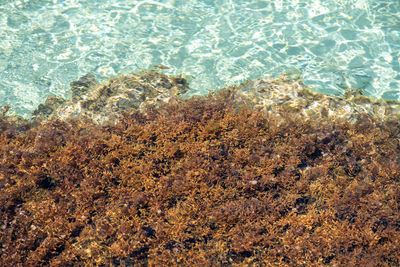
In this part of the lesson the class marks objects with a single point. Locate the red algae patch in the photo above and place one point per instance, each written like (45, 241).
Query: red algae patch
(204, 181)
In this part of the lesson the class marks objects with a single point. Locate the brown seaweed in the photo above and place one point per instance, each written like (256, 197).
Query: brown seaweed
(204, 181)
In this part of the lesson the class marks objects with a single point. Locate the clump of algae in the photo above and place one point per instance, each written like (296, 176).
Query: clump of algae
(215, 180)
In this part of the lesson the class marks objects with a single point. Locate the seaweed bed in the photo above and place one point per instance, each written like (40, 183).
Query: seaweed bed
(214, 180)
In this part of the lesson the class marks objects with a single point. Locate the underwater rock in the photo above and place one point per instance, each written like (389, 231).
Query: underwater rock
(106, 102)
(14, 122)
(48, 107)
(287, 95)
(83, 84)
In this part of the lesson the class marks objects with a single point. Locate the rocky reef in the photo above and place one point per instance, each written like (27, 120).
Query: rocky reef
(264, 173)
(287, 95)
(106, 102)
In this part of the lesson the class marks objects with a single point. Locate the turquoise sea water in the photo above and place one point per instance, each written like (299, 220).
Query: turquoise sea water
(331, 44)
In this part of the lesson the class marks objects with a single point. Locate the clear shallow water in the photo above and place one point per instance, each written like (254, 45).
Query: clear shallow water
(333, 44)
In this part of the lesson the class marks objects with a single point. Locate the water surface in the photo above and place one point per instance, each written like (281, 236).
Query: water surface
(331, 44)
